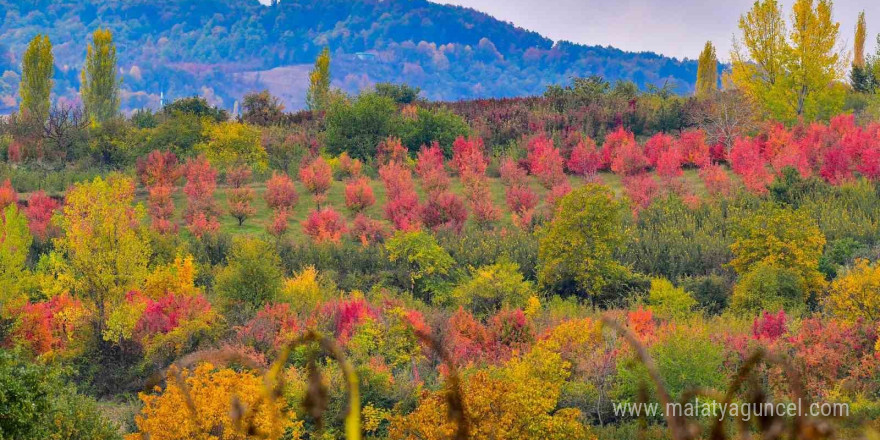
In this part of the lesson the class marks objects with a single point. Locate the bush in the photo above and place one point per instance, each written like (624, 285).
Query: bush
(768, 287)
(358, 127)
(712, 292)
(669, 301)
(36, 403)
(493, 288)
(252, 275)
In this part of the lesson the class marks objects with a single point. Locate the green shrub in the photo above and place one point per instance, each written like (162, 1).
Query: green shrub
(491, 288)
(771, 288)
(712, 292)
(252, 275)
(669, 301)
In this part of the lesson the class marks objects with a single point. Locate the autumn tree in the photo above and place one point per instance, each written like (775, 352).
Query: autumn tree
(794, 72)
(252, 276)
(578, 245)
(359, 195)
(856, 293)
(232, 144)
(239, 196)
(317, 178)
(212, 392)
(99, 84)
(201, 182)
(779, 237)
(39, 212)
(37, 68)
(861, 77)
(281, 192)
(15, 243)
(158, 172)
(262, 109)
(106, 247)
(707, 71)
(318, 95)
(325, 225)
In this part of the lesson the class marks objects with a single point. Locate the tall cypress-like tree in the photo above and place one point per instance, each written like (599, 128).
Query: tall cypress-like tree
(319, 83)
(100, 86)
(861, 77)
(707, 71)
(36, 79)
(859, 42)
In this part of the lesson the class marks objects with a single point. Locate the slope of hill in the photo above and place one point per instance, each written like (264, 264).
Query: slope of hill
(224, 48)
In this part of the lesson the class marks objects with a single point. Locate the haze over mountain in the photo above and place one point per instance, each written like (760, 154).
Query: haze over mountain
(224, 48)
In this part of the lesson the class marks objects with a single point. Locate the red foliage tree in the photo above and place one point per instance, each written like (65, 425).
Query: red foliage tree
(8, 195)
(201, 182)
(512, 174)
(545, 161)
(324, 225)
(467, 340)
(510, 332)
(350, 167)
(402, 206)
(479, 199)
(392, 150)
(431, 170)
(669, 164)
(469, 157)
(279, 225)
(522, 201)
(317, 178)
(628, 158)
(716, 180)
(585, 159)
(641, 190)
(39, 212)
(444, 210)
(641, 322)
(50, 326)
(281, 192)
(272, 328)
(158, 169)
(747, 161)
(693, 147)
(613, 141)
(769, 326)
(239, 196)
(165, 314)
(368, 230)
(359, 195)
(656, 146)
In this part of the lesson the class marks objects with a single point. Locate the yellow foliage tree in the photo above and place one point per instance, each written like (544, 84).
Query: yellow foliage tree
(792, 74)
(779, 237)
(213, 392)
(105, 243)
(707, 71)
(178, 277)
(856, 294)
(230, 144)
(518, 400)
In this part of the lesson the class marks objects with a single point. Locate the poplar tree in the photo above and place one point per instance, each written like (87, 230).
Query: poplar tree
(319, 83)
(36, 79)
(861, 76)
(100, 86)
(707, 71)
(794, 74)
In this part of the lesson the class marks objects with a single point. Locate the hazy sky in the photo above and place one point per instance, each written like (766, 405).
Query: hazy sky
(672, 27)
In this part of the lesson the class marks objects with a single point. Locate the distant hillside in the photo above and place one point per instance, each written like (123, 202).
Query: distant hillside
(224, 48)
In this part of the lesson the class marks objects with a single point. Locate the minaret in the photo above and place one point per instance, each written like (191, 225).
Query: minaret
(161, 100)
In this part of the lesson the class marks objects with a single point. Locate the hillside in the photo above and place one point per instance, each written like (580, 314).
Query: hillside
(222, 49)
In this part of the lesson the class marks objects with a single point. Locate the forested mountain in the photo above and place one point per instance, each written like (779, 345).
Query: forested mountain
(224, 48)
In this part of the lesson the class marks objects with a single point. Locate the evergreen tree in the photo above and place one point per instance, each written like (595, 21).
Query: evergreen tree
(319, 83)
(100, 86)
(707, 71)
(36, 79)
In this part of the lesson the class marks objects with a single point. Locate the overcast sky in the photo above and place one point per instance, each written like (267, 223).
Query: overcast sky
(678, 28)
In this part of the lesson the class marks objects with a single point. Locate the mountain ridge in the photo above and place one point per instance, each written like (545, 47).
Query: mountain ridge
(225, 48)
